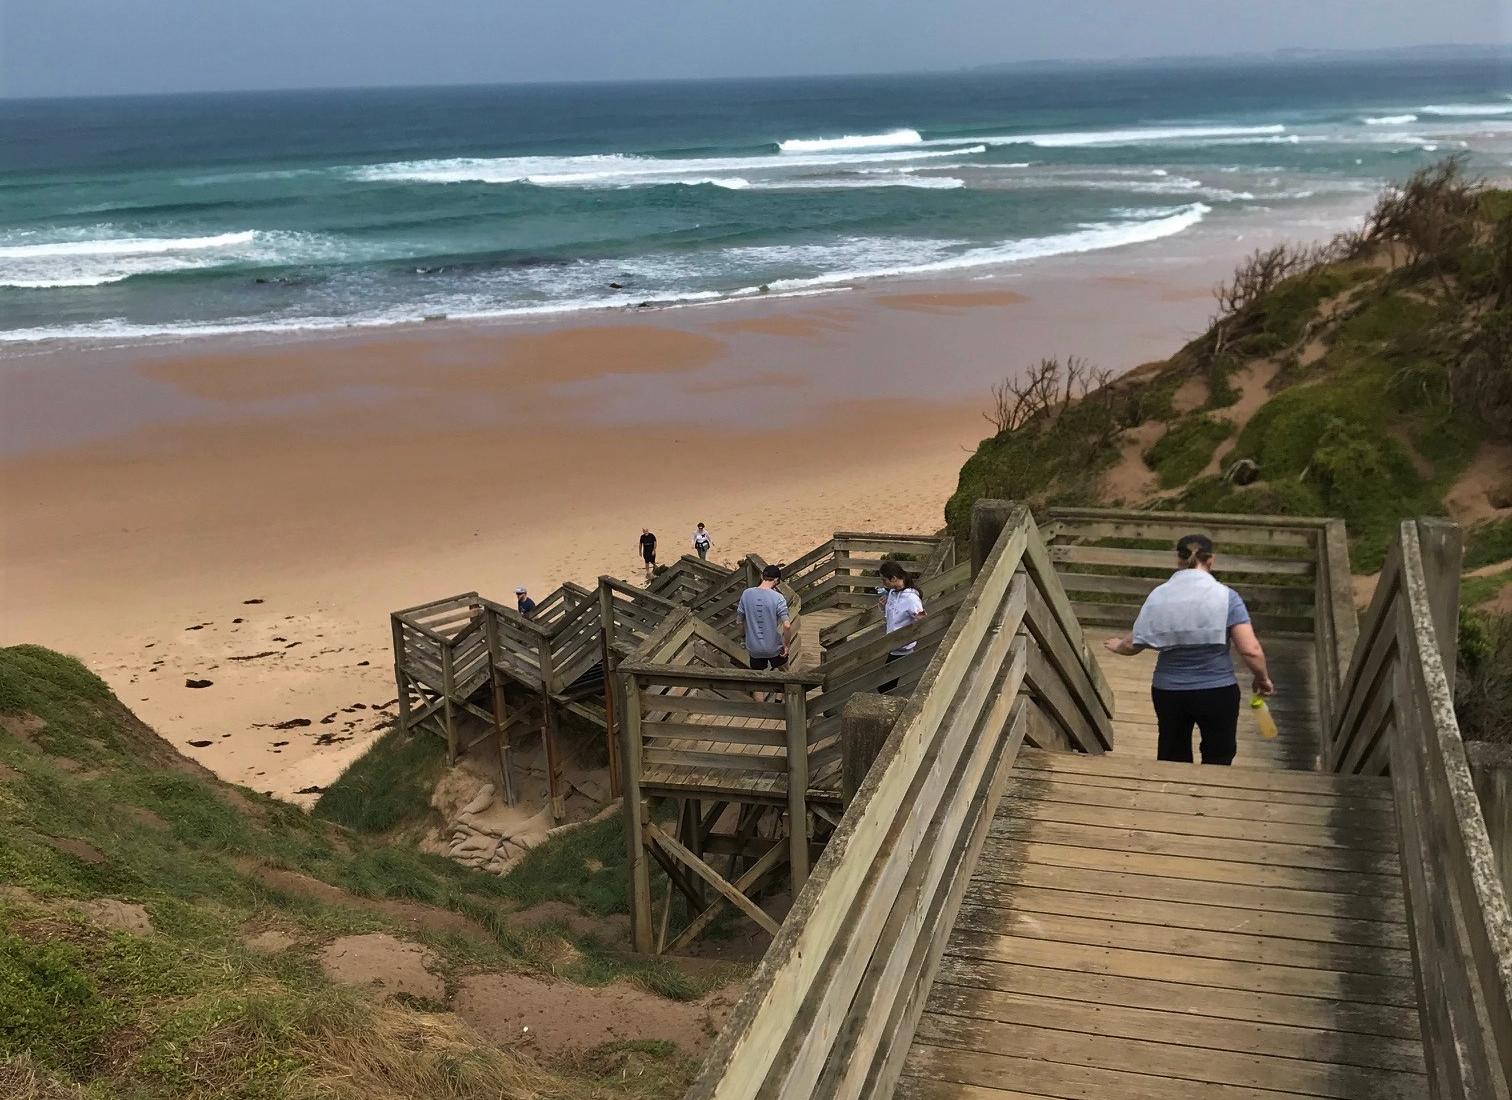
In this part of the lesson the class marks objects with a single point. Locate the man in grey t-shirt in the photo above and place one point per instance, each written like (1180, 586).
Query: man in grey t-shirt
(763, 614)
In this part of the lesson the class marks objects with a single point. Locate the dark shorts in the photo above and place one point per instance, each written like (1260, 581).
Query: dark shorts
(762, 664)
(1215, 713)
(650, 556)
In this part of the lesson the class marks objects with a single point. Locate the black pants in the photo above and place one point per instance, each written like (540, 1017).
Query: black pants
(1215, 711)
(887, 687)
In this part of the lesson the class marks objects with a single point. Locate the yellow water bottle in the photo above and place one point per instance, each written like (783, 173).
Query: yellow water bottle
(1263, 720)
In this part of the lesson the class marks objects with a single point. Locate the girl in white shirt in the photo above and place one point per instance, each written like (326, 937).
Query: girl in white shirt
(901, 606)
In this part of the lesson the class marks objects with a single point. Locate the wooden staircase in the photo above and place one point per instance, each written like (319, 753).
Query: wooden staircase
(1145, 930)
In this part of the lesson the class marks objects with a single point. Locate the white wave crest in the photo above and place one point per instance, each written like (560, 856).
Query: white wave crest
(892, 139)
(1461, 110)
(1390, 120)
(98, 261)
(622, 170)
(123, 246)
(1093, 237)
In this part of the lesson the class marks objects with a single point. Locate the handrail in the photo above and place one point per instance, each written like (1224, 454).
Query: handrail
(1397, 717)
(831, 1009)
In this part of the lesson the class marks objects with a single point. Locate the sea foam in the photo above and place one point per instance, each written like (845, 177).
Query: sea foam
(1390, 120)
(82, 263)
(625, 170)
(892, 139)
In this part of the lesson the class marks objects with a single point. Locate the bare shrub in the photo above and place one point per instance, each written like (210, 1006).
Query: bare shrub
(1261, 272)
(1046, 390)
(1432, 214)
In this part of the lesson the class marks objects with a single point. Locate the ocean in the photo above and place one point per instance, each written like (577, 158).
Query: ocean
(124, 219)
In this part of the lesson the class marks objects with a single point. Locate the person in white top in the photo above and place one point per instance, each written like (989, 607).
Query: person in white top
(901, 606)
(702, 541)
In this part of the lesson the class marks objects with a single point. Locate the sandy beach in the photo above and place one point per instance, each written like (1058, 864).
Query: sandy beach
(247, 513)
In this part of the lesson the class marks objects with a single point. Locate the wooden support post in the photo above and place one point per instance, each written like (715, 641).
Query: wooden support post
(401, 678)
(752, 571)
(500, 715)
(612, 706)
(635, 820)
(1491, 769)
(553, 760)
(988, 518)
(865, 724)
(1443, 553)
(549, 686)
(796, 707)
(448, 689)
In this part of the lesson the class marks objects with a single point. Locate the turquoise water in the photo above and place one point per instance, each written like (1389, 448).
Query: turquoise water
(151, 217)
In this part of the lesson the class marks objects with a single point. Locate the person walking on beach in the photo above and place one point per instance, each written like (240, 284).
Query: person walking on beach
(1190, 620)
(523, 601)
(702, 542)
(901, 606)
(648, 550)
(762, 614)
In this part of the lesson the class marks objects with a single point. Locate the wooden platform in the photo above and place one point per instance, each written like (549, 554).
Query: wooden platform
(1293, 668)
(677, 780)
(1144, 931)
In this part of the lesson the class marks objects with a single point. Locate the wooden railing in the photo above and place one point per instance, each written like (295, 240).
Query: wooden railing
(831, 1009)
(1397, 717)
(1293, 572)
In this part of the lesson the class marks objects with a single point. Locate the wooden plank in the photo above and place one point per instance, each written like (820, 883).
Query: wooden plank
(1163, 559)
(1167, 1060)
(1184, 867)
(1115, 899)
(1185, 944)
(774, 737)
(1131, 783)
(1294, 981)
(1207, 802)
(1152, 526)
(654, 756)
(1148, 819)
(714, 705)
(1195, 1001)
(941, 1073)
(1317, 1048)
(1271, 597)
(1274, 856)
(1252, 778)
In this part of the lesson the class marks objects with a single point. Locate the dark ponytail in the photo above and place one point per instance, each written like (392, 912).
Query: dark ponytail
(1194, 550)
(894, 571)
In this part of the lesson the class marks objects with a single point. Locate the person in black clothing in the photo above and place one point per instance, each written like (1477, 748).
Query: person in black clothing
(648, 550)
(524, 602)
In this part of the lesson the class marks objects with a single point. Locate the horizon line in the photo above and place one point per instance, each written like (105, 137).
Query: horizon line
(1284, 53)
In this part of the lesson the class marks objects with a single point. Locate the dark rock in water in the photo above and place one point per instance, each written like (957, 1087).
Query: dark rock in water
(644, 305)
(191, 683)
(763, 289)
(292, 723)
(434, 317)
(202, 744)
(616, 286)
(1243, 472)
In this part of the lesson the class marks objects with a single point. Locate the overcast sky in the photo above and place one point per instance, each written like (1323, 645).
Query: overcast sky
(83, 47)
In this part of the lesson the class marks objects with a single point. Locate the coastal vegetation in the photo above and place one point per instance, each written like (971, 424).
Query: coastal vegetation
(169, 935)
(1360, 378)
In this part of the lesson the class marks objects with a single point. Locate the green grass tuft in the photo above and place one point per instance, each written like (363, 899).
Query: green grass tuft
(388, 786)
(1186, 448)
(1489, 542)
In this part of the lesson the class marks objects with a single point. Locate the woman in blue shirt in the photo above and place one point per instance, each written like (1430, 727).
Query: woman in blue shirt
(1191, 619)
